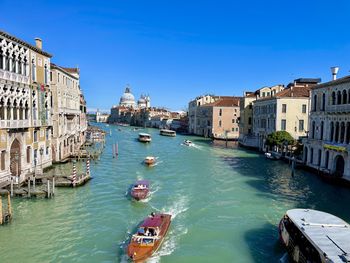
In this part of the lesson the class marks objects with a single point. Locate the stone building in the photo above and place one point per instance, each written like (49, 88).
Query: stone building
(69, 113)
(217, 119)
(327, 146)
(25, 106)
(287, 111)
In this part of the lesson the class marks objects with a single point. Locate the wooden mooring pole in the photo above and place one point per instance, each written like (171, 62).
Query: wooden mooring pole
(1, 216)
(11, 186)
(48, 189)
(53, 185)
(9, 208)
(28, 187)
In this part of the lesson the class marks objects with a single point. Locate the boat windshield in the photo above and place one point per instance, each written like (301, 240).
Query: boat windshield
(140, 186)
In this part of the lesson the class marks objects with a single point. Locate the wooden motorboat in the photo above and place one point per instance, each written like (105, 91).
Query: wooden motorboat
(166, 132)
(315, 236)
(150, 160)
(145, 137)
(140, 190)
(188, 143)
(149, 237)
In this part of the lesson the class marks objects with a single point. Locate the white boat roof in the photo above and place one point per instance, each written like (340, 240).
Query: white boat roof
(328, 233)
(166, 130)
(144, 134)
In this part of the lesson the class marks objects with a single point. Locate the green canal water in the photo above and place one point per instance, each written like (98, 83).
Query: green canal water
(226, 205)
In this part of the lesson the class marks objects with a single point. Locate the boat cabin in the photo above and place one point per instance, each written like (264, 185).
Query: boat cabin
(145, 137)
(141, 184)
(166, 132)
(315, 236)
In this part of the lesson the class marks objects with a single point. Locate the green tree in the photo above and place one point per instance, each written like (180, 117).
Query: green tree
(279, 138)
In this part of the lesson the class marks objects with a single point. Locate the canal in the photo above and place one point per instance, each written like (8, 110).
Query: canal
(226, 204)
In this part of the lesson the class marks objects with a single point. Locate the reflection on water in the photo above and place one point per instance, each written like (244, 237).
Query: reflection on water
(226, 204)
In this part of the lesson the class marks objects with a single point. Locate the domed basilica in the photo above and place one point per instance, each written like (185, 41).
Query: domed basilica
(128, 100)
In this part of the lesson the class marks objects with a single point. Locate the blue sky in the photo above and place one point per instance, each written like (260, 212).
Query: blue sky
(176, 50)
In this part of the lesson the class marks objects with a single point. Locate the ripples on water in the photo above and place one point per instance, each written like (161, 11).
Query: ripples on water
(225, 202)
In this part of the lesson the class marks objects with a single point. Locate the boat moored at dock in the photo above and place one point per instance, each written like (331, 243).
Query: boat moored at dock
(145, 137)
(166, 132)
(149, 237)
(140, 190)
(315, 236)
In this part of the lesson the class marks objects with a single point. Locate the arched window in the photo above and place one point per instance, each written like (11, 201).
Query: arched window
(313, 130)
(323, 101)
(326, 161)
(333, 98)
(1, 60)
(13, 63)
(321, 133)
(347, 138)
(319, 157)
(339, 97)
(345, 97)
(7, 61)
(45, 74)
(315, 102)
(25, 67)
(331, 134)
(342, 132)
(336, 139)
(312, 155)
(33, 69)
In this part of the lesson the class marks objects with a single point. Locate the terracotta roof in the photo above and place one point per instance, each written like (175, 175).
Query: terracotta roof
(294, 92)
(38, 50)
(72, 70)
(345, 79)
(54, 66)
(225, 101)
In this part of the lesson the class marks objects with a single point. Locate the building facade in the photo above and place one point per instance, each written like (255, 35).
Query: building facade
(25, 108)
(327, 146)
(218, 119)
(287, 110)
(69, 113)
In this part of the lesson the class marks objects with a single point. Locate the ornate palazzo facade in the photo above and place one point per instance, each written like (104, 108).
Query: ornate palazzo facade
(69, 114)
(328, 145)
(24, 108)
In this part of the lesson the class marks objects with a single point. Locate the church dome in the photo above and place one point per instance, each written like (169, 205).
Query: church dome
(127, 99)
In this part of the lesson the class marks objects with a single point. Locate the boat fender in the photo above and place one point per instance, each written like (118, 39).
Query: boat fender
(296, 253)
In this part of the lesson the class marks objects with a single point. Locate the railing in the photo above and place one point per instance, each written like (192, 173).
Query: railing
(338, 108)
(13, 77)
(14, 124)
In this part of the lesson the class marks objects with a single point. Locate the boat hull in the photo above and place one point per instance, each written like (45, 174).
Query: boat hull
(139, 194)
(139, 253)
(144, 140)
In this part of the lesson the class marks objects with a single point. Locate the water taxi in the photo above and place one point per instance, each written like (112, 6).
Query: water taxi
(150, 160)
(315, 236)
(166, 132)
(149, 237)
(188, 143)
(145, 137)
(140, 190)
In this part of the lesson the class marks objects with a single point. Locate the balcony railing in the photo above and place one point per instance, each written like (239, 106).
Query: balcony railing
(13, 77)
(14, 124)
(338, 108)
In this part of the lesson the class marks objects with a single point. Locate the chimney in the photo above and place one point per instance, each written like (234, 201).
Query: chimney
(38, 43)
(334, 72)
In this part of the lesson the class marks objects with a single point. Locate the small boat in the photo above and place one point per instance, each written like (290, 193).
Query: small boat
(270, 156)
(150, 160)
(145, 137)
(149, 237)
(188, 143)
(140, 190)
(166, 132)
(315, 236)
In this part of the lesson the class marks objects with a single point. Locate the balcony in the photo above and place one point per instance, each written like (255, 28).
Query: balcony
(14, 124)
(342, 108)
(14, 77)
